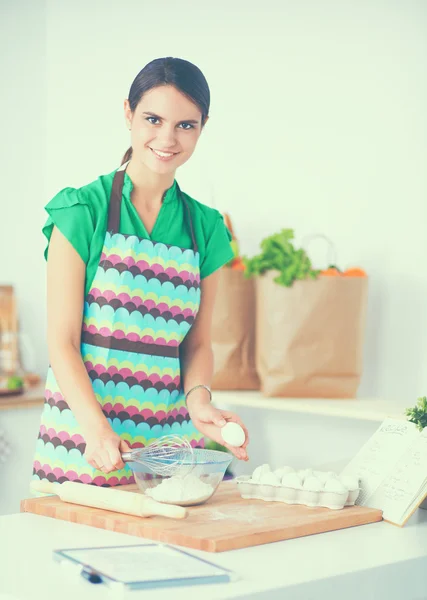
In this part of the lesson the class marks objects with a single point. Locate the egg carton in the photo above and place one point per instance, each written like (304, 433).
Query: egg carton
(249, 488)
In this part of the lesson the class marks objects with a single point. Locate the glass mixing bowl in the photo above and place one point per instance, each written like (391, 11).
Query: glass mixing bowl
(208, 467)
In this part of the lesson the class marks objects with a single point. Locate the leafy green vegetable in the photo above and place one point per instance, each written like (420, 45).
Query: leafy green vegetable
(235, 247)
(418, 414)
(14, 382)
(278, 253)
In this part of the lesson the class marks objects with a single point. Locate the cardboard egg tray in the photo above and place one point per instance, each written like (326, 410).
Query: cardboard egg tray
(292, 495)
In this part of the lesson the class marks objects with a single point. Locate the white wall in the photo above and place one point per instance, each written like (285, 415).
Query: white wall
(23, 164)
(317, 123)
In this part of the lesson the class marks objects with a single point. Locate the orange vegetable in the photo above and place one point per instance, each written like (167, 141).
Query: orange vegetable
(229, 225)
(238, 265)
(331, 272)
(355, 272)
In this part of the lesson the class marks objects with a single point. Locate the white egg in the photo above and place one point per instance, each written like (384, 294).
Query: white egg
(282, 471)
(304, 473)
(351, 483)
(291, 480)
(335, 485)
(322, 476)
(259, 471)
(233, 434)
(270, 479)
(313, 484)
(287, 469)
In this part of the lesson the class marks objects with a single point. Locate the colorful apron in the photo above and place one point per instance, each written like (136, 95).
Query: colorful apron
(142, 303)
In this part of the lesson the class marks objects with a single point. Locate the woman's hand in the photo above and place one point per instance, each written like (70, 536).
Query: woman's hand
(209, 421)
(104, 449)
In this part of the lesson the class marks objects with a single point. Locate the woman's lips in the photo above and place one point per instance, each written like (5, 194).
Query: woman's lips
(168, 156)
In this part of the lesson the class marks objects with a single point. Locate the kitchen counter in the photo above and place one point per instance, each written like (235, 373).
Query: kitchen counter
(32, 397)
(371, 561)
(366, 409)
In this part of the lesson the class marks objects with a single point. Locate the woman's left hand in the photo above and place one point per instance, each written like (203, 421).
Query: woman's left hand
(209, 421)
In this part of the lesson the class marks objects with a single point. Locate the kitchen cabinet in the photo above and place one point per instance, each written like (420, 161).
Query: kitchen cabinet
(19, 426)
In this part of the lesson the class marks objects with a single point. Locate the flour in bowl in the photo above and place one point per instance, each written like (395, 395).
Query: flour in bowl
(181, 489)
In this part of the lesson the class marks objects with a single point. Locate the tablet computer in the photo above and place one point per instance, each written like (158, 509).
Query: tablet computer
(142, 566)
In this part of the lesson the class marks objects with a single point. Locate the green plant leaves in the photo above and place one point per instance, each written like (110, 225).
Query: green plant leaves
(418, 414)
(279, 254)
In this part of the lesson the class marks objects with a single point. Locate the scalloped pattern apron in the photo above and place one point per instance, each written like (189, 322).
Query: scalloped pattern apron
(143, 301)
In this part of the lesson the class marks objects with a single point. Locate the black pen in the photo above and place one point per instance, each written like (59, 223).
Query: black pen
(91, 575)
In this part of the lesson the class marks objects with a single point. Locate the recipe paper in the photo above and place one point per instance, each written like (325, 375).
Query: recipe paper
(379, 456)
(401, 492)
(392, 470)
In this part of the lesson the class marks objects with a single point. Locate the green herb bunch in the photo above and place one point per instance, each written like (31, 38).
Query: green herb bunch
(418, 414)
(279, 254)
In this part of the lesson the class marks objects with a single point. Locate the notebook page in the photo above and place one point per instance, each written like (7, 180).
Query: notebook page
(405, 484)
(143, 563)
(378, 457)
(417, 503)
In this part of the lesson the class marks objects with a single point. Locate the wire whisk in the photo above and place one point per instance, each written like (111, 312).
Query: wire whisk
(166, 456)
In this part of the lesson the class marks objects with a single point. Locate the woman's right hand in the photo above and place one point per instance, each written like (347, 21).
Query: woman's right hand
(104, 449)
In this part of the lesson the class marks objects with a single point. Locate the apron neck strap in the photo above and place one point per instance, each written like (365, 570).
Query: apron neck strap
(115, 202)
(189, 219)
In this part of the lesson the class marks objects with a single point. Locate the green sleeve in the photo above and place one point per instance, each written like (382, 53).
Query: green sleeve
(218, 250)
(72, 216)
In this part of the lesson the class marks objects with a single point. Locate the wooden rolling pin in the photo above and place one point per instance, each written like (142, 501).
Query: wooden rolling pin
(130, 503)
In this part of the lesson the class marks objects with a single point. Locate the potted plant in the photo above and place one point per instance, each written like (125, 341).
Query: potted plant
(418, 414)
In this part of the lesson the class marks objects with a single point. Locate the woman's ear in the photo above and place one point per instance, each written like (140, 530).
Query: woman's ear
(128, 114)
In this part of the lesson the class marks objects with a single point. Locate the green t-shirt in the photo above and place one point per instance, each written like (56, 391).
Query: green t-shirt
(81, 215)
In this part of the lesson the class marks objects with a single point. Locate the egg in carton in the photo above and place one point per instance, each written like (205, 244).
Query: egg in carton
(306, 486)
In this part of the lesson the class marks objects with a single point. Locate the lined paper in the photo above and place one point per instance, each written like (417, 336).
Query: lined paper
(379, 458)
(406, 485)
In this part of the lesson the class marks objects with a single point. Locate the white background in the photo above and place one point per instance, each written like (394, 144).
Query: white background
(318, 123)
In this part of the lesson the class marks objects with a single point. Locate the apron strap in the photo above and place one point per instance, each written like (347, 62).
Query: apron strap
(115, 202)
(189, 219)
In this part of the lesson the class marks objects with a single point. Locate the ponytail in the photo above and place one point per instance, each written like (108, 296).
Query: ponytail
(127, 156)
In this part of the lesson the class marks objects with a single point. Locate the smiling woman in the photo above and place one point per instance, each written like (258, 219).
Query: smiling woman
(132, 267)
(155, 114)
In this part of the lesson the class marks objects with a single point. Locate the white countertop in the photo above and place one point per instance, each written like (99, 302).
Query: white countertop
(365, 409)
(372, 561)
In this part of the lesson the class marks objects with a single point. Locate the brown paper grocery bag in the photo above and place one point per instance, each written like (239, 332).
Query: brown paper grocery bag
(233, 333)
(310, 336)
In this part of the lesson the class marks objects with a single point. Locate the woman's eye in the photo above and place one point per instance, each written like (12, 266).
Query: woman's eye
(186, 126)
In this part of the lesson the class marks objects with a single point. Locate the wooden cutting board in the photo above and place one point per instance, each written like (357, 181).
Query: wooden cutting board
(225, 522)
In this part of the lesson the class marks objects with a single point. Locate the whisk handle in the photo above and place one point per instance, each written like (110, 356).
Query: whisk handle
(127, 457)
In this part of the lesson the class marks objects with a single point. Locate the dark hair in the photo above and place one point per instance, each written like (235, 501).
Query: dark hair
(181, 74)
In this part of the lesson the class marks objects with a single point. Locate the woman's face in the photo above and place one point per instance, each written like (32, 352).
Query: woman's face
(167, 122)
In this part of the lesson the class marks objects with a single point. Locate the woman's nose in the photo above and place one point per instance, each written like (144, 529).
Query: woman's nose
(166, 137)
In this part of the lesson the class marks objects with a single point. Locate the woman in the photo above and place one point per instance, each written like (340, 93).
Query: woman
(131, 261)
